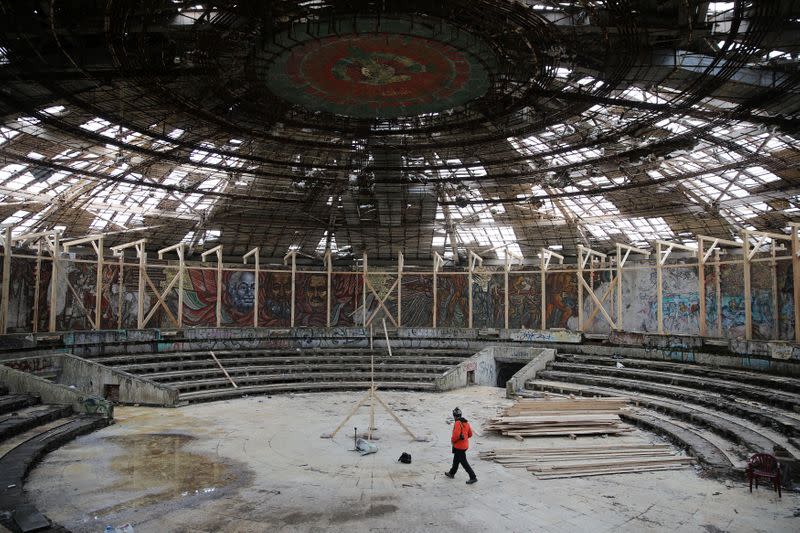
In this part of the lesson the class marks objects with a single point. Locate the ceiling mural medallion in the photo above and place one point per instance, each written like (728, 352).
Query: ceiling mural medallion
(380, 74)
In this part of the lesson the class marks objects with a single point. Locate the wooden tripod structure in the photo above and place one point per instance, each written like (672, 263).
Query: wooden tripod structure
(372, 396)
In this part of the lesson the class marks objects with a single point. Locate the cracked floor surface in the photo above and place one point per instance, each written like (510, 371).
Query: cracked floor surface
(259, 464)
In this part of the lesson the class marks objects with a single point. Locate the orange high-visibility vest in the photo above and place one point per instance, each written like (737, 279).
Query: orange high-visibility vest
(461, 428)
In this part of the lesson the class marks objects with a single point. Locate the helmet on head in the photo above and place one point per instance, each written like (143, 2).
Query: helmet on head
(456, 413)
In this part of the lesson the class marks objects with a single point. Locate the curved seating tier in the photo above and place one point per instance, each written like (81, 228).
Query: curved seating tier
(28, 430)
(197, 376)
(721, 415)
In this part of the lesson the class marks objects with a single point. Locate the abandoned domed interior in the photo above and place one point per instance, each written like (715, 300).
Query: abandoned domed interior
(255, 251)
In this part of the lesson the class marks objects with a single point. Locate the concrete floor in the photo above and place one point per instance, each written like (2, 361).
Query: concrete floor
(259, 464)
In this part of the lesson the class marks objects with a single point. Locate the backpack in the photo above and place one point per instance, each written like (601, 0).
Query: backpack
(405, 458)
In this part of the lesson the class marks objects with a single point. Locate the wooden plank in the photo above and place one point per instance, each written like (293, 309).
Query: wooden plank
(7, 245)
(701, 282)
(796, 280)
(235, 386)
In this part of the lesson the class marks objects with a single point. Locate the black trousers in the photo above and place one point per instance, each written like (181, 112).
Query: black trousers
(460, 458)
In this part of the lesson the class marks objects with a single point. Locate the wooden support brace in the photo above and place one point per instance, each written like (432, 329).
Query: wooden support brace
(254, 253)
(218, 251)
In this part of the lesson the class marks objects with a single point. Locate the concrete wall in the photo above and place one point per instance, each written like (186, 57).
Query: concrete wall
(88, 379)
(482, 363)
(528, 372)
(91, 378)
(19, 382)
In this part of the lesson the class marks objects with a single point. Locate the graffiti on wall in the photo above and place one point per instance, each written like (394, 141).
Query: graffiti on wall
(681, 301)
(761, 304)
(731, 279)
(785, 303)
(639, 305)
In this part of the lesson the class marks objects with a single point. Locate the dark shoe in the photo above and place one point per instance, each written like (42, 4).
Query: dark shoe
(471, 481)
(448, 474)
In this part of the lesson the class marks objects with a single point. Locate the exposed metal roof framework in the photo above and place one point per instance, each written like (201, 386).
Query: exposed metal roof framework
(602, 122)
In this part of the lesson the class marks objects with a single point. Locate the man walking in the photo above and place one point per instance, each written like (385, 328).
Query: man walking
(460, 439)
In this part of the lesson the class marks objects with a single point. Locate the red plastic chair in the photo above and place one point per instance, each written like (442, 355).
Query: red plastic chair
(764, 466)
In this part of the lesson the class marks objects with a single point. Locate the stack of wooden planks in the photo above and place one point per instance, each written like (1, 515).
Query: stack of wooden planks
(554, 463)
(561, 416)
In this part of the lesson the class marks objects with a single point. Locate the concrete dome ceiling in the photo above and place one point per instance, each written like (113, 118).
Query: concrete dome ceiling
(399, 126)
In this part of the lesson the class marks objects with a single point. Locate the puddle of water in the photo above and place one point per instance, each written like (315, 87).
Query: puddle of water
(157, 463)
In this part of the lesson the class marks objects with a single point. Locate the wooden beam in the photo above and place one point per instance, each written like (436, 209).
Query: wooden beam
(701, 283)
(598, 302)
(255, 254)
(56, 251)
(621, 259)
(121, 294)
(142, 273)
(218, 251)
(775, 303)
(400, 266)
(748, 311)
(6, 290)
(580, 287)
(365, 271)
(326, 260)
(660, 287)
(718, 289)
(36, 288)
(796, 278)
(181, 250)
(381, 302)
(595, 310)
(437, 264)
(98, 301)
(545, 256)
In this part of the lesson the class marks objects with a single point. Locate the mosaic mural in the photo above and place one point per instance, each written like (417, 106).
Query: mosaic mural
(370, 68)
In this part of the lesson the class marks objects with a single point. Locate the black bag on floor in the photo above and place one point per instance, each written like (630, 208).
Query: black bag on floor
(405, 458)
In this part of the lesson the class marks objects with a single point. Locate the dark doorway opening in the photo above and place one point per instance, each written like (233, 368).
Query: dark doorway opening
(470, 377)
(111, 393)
(505, 371)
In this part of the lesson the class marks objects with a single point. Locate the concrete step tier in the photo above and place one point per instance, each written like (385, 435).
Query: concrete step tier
(754, 438)
(197, 376)
(214, 371)
(698, 443)
(30, 417)
(141, 358)
(230, 392)
(312, 378)
(784, 421)
(707, 453)
(165, 365)
(10, 403)
(735, 389)
(760, 379)
(17, 513)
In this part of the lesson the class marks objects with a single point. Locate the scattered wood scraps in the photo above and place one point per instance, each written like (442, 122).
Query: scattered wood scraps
(557, 463)
(561, 417)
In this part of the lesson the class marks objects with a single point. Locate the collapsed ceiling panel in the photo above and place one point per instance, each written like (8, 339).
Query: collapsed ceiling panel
(494, 126)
